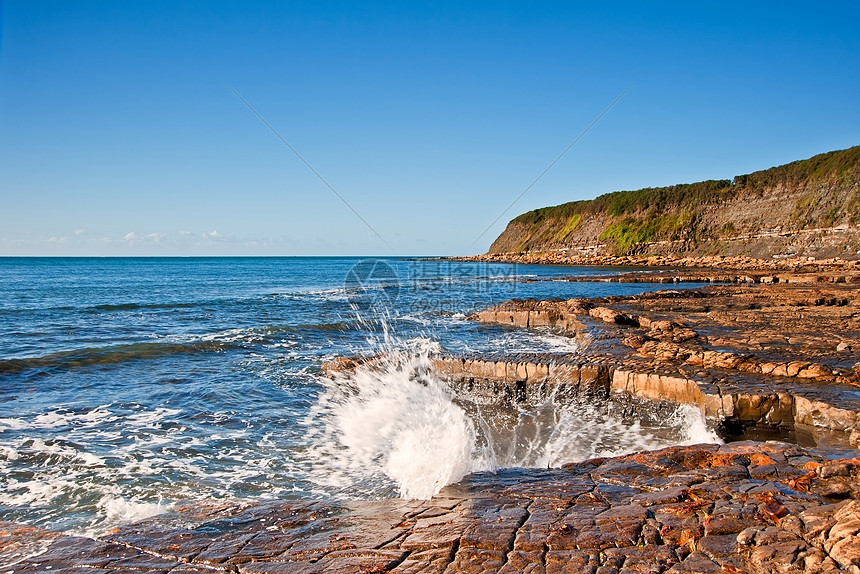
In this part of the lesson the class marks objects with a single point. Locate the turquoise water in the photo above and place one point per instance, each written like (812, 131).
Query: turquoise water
(129, 384)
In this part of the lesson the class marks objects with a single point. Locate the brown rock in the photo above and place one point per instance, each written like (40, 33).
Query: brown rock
(622, 514)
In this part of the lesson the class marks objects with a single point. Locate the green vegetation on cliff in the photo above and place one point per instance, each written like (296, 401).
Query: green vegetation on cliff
(625, 202)
(821, 191)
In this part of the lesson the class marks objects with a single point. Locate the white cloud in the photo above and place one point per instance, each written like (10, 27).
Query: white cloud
(80, 231)
(215, 236)
(130, 236)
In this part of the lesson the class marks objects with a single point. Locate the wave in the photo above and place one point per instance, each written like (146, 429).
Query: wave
(97, 356)
(394, 427)
(107, 307)
(273, 334)
(140, 306)
(334, 294)
(391, 428)
(85, 472)
(310, 295)
(230, 339)
(336, 326)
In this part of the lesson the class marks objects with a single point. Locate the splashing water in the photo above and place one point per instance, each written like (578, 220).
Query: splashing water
(553, 432)
(393, 426)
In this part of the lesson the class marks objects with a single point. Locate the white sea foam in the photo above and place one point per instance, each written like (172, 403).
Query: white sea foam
(8, 454)
(87, 479)
(119, 510)
(13, 424)
(59, 418)
(556, 342)
(116, 510)
(393, 420)
(694, 426)
(336, 294)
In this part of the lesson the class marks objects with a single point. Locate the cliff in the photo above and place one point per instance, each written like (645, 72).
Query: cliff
(809, 207)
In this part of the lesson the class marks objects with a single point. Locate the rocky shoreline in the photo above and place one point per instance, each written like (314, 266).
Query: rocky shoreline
(742, 507)
(777, 352)
(725, 264)
(784, 354)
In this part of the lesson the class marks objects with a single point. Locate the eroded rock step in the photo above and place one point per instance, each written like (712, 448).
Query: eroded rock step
(716, 263)
(751, 400)
(707, 276)
(770, 354)
(742, 507)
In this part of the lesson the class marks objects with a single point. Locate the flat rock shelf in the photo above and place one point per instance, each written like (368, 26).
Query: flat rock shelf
(741, 507)
(778, 356)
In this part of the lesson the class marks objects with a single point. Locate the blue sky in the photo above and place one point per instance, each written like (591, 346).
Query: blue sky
(119, 135)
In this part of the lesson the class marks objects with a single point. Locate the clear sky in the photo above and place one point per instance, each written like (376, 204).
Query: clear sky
(119, 135)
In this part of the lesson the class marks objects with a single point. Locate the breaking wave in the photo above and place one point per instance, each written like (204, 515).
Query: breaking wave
(392, 426)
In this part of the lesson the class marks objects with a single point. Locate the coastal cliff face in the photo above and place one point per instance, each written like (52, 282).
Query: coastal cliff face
(805, 208)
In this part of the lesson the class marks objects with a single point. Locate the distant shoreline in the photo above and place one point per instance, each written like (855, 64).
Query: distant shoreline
(725, 263)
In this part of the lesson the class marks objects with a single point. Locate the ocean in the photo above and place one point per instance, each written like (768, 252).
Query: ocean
(128, 385)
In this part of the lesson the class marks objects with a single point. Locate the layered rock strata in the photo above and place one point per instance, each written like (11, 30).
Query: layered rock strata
(722, 264)
(525, 378)
(781, 354)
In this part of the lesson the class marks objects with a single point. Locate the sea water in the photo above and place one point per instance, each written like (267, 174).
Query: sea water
(130, 384)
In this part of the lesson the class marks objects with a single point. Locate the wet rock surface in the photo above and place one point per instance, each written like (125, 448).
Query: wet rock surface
(764, 323)
(742, 507)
